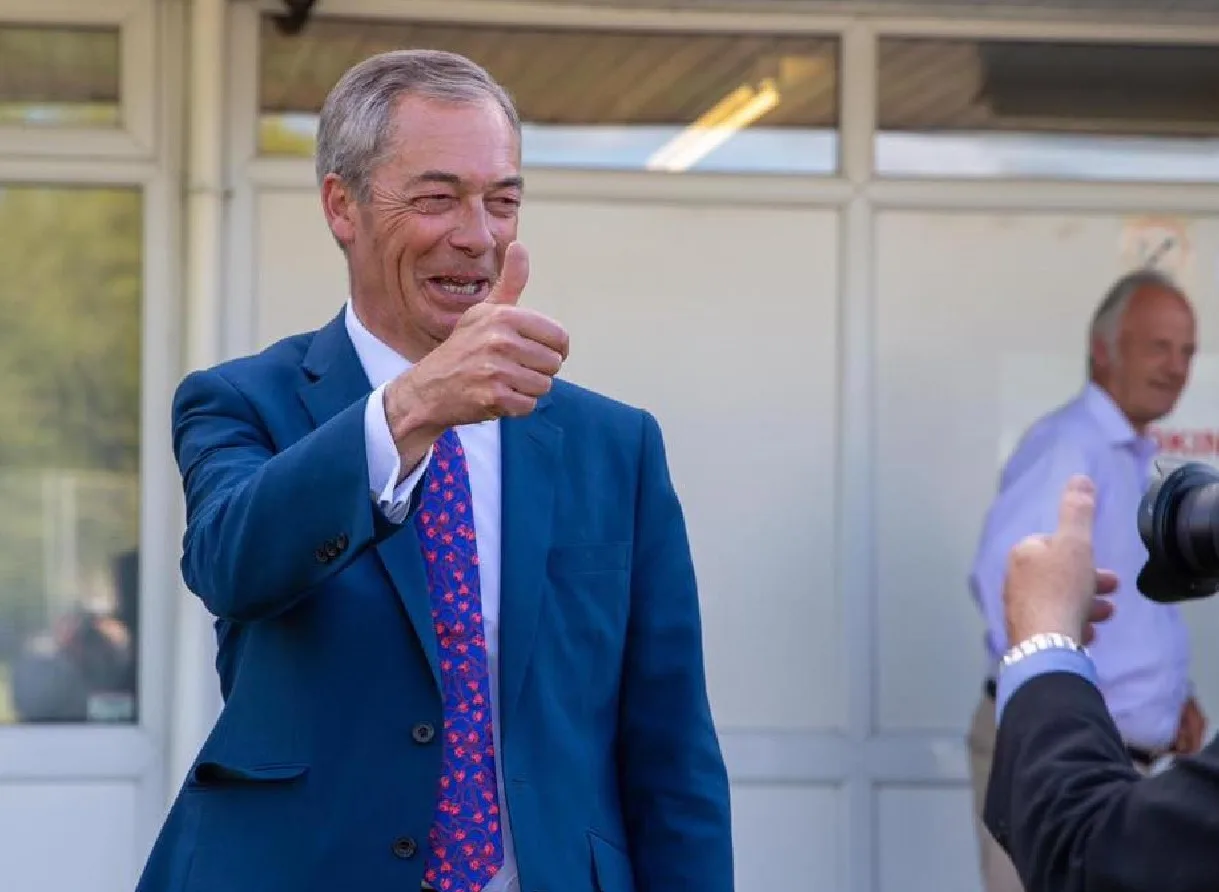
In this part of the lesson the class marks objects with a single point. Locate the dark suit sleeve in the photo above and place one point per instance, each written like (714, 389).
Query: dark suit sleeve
(673, 780)
(263, 527)
(1075, 816)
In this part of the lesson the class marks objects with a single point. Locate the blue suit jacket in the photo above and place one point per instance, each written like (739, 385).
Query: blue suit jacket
(319, 775)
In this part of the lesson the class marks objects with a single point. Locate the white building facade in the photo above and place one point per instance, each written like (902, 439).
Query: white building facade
(858, 246)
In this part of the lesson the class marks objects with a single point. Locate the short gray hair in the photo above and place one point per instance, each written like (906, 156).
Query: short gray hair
(1107, 320)
(356, 121)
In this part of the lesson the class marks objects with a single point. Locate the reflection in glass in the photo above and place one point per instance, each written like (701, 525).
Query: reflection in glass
(70, 315)
(670, 102)
(1047, 110)
(1049, 156)
(56, 77)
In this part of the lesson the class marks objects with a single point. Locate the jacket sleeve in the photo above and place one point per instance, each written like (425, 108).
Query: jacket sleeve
(265, 526)
(1074, 815)
(673, 780)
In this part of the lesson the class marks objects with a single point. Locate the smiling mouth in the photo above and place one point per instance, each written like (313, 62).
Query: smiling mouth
(463, 287)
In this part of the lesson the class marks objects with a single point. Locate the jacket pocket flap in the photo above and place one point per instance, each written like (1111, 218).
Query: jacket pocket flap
(210, 772)
(602, 557)
(612, 866)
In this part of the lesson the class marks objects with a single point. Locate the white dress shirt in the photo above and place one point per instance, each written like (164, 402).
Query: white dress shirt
(481, 445)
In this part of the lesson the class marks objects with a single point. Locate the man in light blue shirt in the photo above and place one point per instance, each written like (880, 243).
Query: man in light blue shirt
(1141, 344)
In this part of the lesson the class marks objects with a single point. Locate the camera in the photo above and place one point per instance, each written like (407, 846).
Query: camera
(1179, 524)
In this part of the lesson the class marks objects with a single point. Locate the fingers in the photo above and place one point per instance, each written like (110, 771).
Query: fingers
(513, 275)
(540, 329)
(1100, 610)
(1106, 582)
(1076, 509)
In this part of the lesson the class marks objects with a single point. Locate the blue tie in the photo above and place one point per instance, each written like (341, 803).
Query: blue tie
(466, 847)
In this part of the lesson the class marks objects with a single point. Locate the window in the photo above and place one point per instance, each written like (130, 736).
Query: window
(954, 108)
(627, 100)
(55, 77)
(70, 317)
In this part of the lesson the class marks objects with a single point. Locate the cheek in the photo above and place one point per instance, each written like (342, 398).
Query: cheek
(504, 229)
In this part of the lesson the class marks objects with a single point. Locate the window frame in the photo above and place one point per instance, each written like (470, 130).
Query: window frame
(560, 17)
(142, 156)
(136, 136)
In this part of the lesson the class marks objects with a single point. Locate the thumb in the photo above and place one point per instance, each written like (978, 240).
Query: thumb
(513, 275)
(1076, 509)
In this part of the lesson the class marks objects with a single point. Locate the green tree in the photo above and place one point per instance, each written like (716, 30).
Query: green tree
(70, 345)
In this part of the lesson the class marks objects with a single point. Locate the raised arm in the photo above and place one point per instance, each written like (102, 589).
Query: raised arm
(264, 527)
(1076, 817)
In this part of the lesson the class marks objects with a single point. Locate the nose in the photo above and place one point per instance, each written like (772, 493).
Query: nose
(1179, 363)
(472, 235)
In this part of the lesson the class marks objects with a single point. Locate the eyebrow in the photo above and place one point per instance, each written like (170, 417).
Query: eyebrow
(452, 179)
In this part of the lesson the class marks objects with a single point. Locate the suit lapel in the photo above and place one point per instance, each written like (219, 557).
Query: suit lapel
(336, 379)
(530, 449)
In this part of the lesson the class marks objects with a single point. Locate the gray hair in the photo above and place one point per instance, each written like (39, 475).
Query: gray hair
(356, 121)
(1107, 320)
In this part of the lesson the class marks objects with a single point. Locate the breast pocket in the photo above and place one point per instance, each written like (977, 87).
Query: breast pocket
(568, 561)
(589, 609)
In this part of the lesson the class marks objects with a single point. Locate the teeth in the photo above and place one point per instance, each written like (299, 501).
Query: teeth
(467, 290)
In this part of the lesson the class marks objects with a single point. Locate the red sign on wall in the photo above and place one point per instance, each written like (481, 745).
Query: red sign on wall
(1195, 443)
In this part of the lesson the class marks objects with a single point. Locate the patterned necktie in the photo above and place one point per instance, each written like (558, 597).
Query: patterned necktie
(466, 844)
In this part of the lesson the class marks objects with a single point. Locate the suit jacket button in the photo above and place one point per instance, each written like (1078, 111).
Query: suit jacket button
(405, 847)
(423, 732)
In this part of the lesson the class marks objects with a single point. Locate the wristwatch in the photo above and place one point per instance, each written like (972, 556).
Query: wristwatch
(1039, 642)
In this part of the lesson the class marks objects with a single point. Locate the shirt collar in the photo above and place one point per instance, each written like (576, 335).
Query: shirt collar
(381, 362)
(1113, 422)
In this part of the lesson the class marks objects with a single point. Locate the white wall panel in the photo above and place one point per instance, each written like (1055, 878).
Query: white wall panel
(300, 278)
(722, 321)
(787, 836)
(981, 326)
(925, 848)
(65, 836)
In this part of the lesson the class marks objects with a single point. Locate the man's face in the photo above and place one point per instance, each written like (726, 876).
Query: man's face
(428, 243)
(1155, 347)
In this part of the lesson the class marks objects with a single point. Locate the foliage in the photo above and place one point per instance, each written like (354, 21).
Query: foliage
(70, 344)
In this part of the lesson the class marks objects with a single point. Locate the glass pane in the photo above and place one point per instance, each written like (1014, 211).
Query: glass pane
(594, 99)
(53, 77)
(1006, 109)
(70, 308)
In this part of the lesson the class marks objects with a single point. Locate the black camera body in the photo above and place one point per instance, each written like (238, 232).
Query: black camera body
(1179, 524)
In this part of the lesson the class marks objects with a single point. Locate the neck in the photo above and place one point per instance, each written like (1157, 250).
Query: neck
(389, 327)
(1140, 425)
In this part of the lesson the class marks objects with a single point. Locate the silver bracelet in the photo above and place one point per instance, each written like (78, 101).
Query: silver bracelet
(1039, 642)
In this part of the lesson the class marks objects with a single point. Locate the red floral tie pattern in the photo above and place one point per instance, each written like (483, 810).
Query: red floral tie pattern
(466, 846)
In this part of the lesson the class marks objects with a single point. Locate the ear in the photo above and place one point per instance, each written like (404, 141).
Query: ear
(340, 208)
(1101, 355)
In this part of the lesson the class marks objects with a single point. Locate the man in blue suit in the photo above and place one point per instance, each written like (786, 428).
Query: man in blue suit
(458, 626)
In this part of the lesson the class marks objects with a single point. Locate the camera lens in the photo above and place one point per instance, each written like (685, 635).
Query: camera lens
(1196, 529)
(1179, 523)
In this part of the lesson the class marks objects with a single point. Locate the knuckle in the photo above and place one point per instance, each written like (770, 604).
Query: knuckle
(498, 339)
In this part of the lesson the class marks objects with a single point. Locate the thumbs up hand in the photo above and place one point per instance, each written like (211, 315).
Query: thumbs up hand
(1052, 584)
(513, 276)
(499, 359)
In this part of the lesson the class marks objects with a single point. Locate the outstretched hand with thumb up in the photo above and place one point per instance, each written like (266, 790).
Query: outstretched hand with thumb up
(513, 277)
(499, 359)
(1052, 584)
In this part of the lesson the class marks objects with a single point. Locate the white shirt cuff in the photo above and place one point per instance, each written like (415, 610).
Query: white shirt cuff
(384, 463)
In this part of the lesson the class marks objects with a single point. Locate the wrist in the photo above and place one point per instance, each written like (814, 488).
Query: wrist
(411, 422)
(1026, 646)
